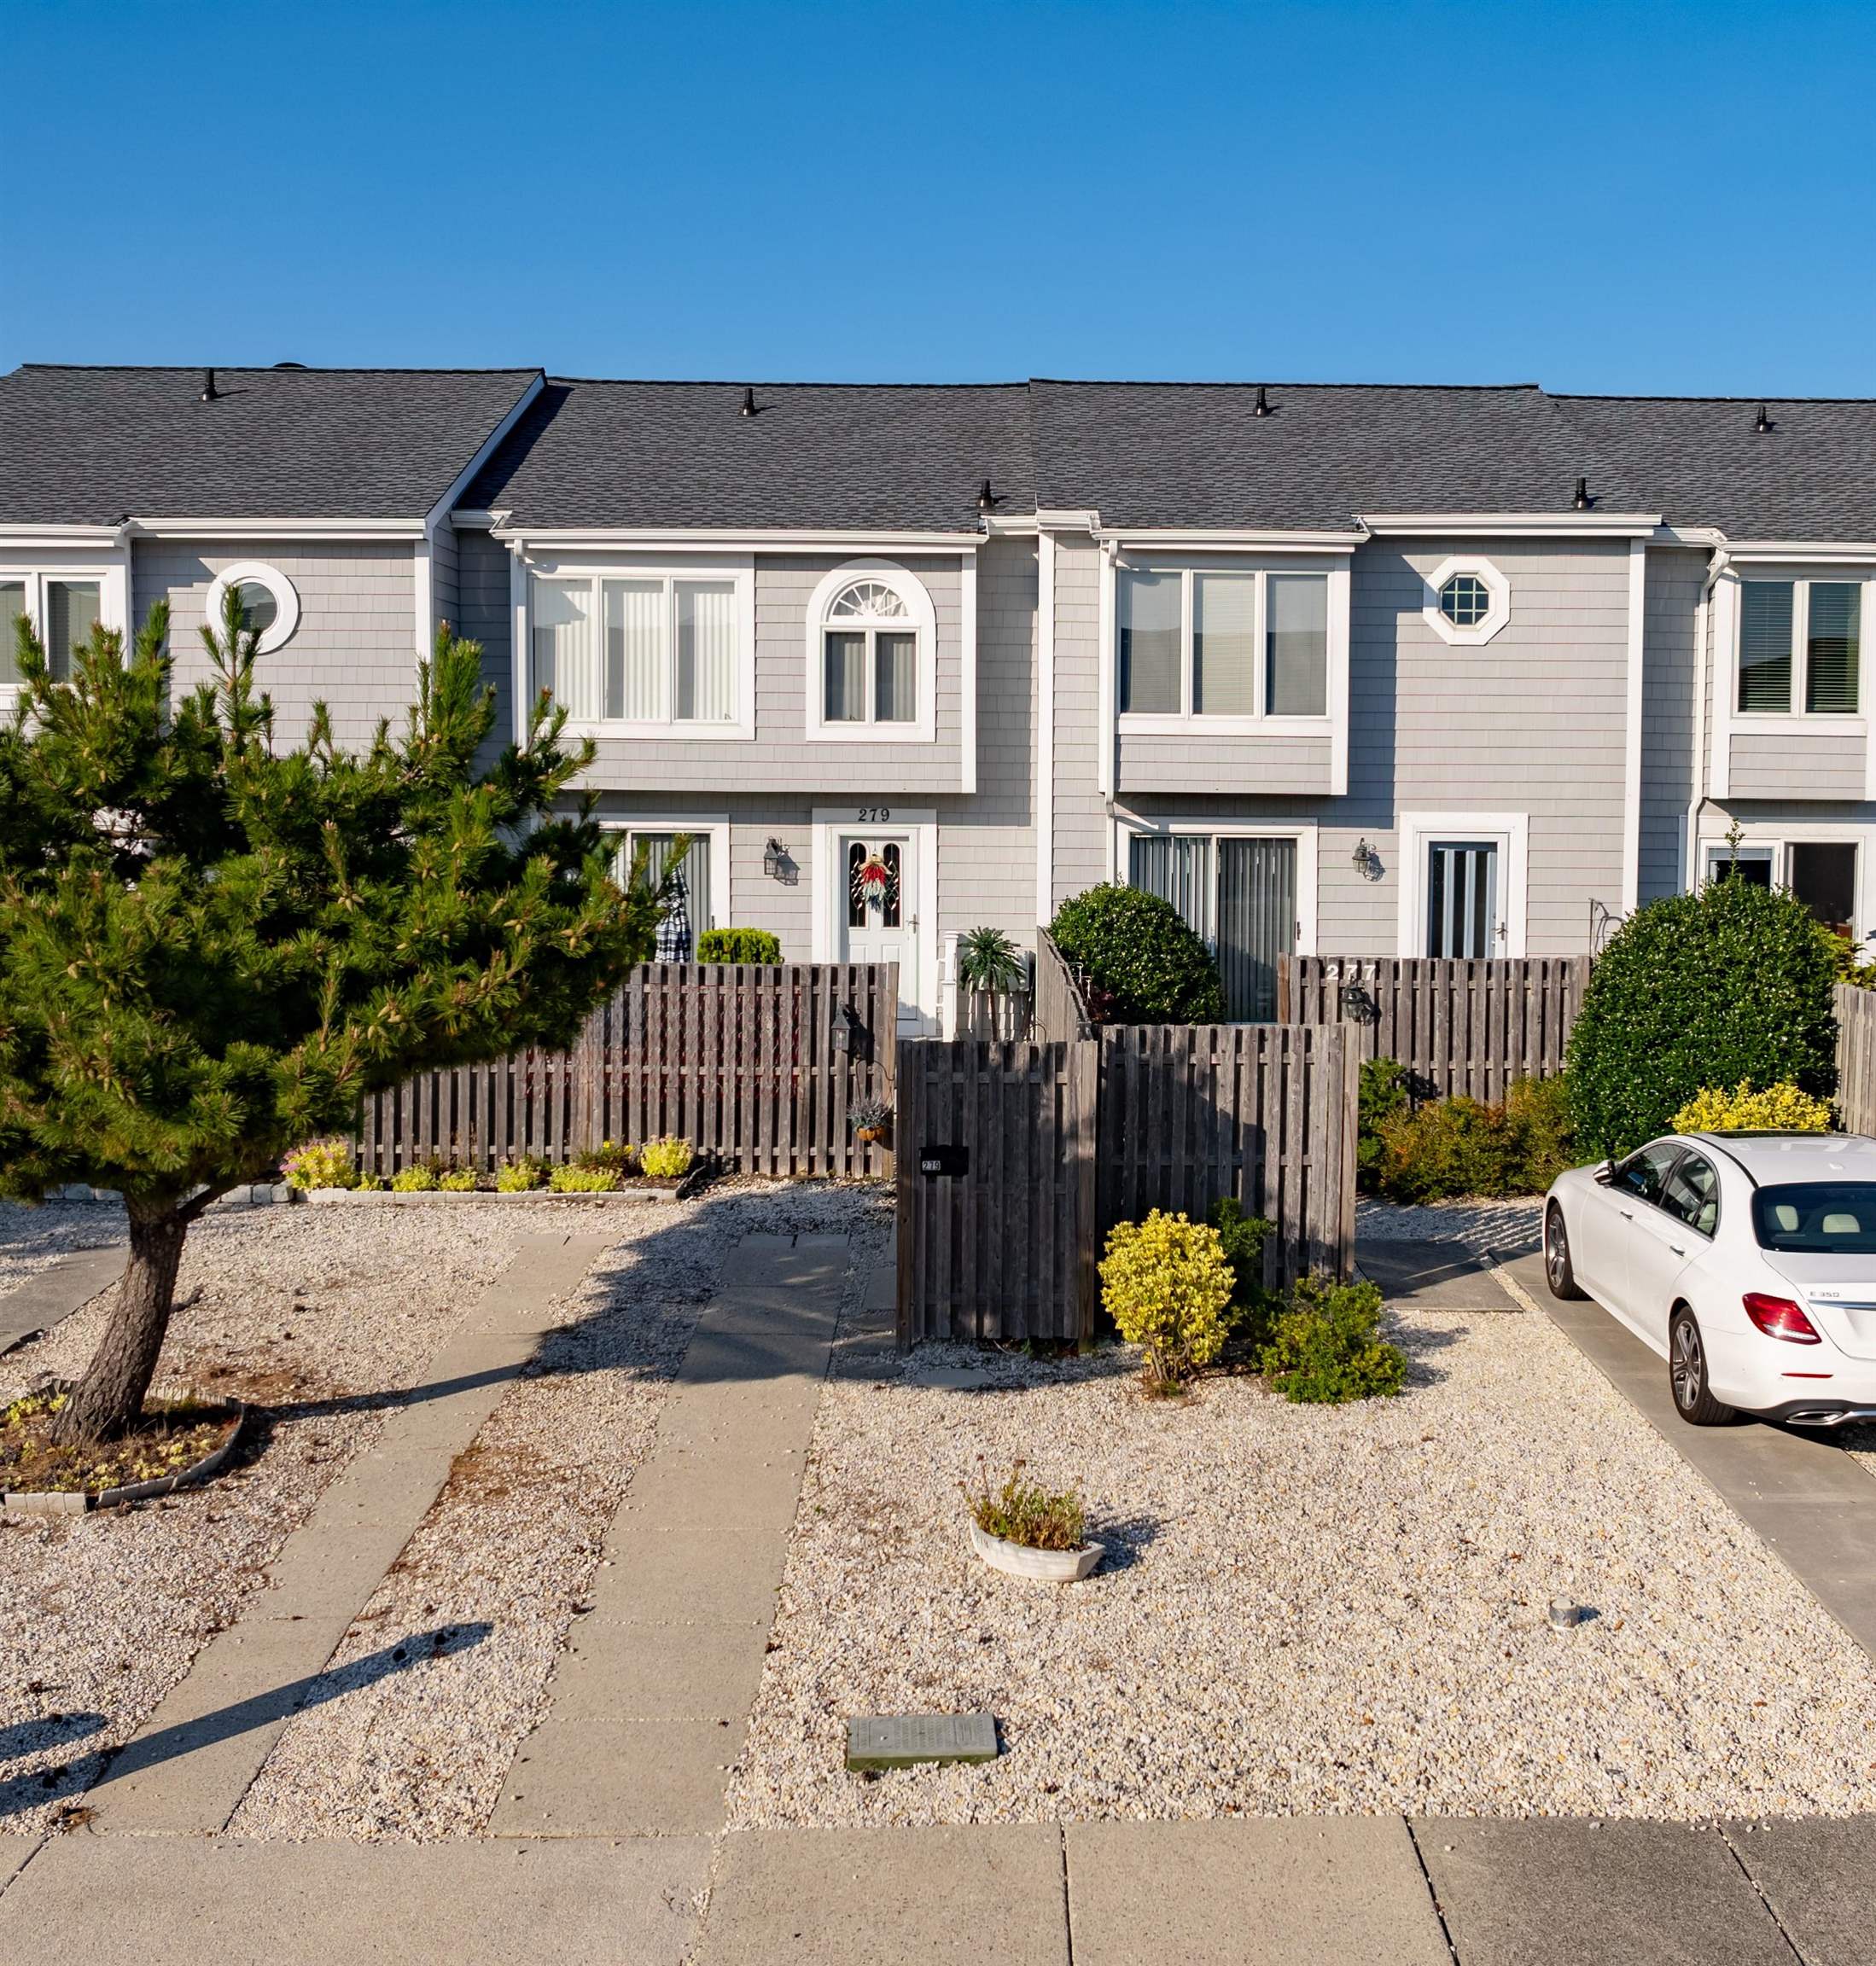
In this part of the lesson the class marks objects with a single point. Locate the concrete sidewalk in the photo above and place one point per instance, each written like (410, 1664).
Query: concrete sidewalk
(53, 1294)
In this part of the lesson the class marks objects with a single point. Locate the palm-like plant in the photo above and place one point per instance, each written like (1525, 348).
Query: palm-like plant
(988, 960)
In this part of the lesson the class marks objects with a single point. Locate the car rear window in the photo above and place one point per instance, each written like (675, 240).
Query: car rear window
(1817, 1218)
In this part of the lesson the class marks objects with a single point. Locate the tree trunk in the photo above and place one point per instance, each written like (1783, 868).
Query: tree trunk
(108, 1399)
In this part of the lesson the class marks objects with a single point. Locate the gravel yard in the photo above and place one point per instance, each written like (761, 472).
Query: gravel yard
(1303, 1609)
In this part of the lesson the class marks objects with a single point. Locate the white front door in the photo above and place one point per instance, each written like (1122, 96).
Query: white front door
(875, 905)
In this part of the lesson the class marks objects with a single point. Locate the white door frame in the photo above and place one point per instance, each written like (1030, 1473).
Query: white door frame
(1509, 831)
(919, 824)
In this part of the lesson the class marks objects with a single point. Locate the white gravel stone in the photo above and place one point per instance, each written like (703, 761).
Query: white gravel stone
(1304, 1608)
(33, 1239)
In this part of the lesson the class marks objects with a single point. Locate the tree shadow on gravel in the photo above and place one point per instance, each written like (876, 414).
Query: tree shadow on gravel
(27, 1791)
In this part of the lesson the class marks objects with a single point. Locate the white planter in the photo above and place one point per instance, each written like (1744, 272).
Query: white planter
(1039, 1565)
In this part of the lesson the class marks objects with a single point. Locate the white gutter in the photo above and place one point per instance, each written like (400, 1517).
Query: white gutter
(1045, 726)
(1701, 622)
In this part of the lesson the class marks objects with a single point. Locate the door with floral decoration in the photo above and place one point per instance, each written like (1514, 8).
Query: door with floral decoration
(878, 911)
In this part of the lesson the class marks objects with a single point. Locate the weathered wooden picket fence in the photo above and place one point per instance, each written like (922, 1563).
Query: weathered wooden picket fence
(1016, 1160)
(757, 1065)
(1855, 1059)
(1457, 1026)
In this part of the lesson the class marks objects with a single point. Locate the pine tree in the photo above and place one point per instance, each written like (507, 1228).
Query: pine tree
(212, 949)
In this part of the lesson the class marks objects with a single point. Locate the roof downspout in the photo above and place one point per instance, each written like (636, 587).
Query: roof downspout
(1702, 621)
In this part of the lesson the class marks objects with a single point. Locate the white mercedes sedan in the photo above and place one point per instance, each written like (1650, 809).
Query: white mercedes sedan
(1747, 1261)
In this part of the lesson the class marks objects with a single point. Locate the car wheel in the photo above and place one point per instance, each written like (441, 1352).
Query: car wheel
(1693, 1397)
(1558, 1272)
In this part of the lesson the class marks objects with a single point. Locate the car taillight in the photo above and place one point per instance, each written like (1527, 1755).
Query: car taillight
(1779, 1317)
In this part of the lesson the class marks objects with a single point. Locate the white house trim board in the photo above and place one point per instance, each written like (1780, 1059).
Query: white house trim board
(1045, 724)
(301, 528)
(1306, 833)
(1725, 658)
(967, 639)
(1631, 760)
(1517, 525)
(1109, 666)
(920, 823)
(517, 635)
(1495, 616)
(1509, 831)
(695, 539)
(716, 825)
(921, 616)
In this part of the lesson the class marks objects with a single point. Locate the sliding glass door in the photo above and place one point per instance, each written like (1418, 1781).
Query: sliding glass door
(1239, 894)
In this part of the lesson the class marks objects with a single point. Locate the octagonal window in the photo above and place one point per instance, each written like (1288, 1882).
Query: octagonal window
(1465, 601)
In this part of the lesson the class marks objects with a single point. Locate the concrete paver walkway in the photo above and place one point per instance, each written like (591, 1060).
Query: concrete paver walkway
(56, 1292)
(193, 1761)
(651, 1702)
(1809, 1502)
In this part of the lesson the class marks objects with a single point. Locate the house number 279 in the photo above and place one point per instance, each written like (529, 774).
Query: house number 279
(874, 815)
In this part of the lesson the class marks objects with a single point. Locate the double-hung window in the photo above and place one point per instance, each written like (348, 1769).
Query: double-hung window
(650, 650)
(63, 610)
(1800, 647)
(1232, 642)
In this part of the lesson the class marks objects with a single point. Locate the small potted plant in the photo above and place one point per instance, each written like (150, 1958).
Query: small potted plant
(1023, 1530)
(870, 1118)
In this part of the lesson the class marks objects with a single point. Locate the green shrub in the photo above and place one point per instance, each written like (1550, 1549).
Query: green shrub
(1167, 1285)
(1023, 1512)
(522, 1175)
(320, 1164)
(1326, 1347)
(1143, 964)
(1776, 1109)
(1465, 1146)
(738, 946)
(573, 1179)
(419, 1178)
(1541, 1119)
(1697, 991)
(457, 1181)
(1384, 1097)
(614, 1156)
(666, 1160)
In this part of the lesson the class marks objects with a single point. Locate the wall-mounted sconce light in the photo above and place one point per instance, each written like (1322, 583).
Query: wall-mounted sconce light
(1366, 861)
(779, 863)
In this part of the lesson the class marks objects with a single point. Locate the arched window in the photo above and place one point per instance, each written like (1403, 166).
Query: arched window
(871, 650)
(269, 600)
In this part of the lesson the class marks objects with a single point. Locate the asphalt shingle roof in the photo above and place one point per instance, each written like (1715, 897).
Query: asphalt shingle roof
(93, 447)
(900, 457)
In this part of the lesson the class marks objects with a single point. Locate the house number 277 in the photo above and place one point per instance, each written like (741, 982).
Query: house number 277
(874, 815)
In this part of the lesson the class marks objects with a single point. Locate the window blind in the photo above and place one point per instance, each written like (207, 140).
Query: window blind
(1224, 644)
(707, 652)
(566, 661)
(13, 606)
(635, 650)
(895, 687)
(1765, 646)
(845, 701)
(1298, 645)
(71, 608)
(1176, 868)
(656, 848)
(1834, 646)
(1149, 639)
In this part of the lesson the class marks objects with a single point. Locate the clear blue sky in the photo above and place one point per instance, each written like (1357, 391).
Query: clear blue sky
(1642, 197)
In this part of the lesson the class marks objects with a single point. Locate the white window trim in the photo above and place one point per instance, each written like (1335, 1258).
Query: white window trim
(716, 825)
(112, 580)
(738, 570)
(1185, 722)
(1800, 579)
(1775, 842)
(920, 822)
(922, 619)
(280, 630)
(1305, 834)
(1495, 584)
(1510, 831)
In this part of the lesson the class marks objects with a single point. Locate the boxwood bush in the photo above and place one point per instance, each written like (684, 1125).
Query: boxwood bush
(738, 946)
(1142, 963)
(1697, 991)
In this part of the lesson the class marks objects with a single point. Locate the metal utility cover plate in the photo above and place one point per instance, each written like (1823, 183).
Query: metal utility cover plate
(903, 1740)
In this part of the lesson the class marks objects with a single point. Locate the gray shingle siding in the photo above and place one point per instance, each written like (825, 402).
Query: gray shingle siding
(355, 647)
(485, 614)
(1670, 668)
(1080, 827)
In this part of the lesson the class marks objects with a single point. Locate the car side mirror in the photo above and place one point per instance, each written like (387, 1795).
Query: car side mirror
(1605, 1173)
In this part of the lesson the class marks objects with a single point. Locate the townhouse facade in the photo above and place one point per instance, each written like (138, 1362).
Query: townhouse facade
(1338, 669)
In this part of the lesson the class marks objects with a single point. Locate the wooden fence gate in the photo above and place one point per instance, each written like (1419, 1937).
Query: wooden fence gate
(758, 1064)
(997, 1228)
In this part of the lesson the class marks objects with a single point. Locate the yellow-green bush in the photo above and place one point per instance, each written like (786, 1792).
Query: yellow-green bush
(1167, 1282)
(1781, 1109)
(577, 1180)
(457, 1181)
(666, 1159)
(420, 1179)
(520, 1177)
(321, 1164)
